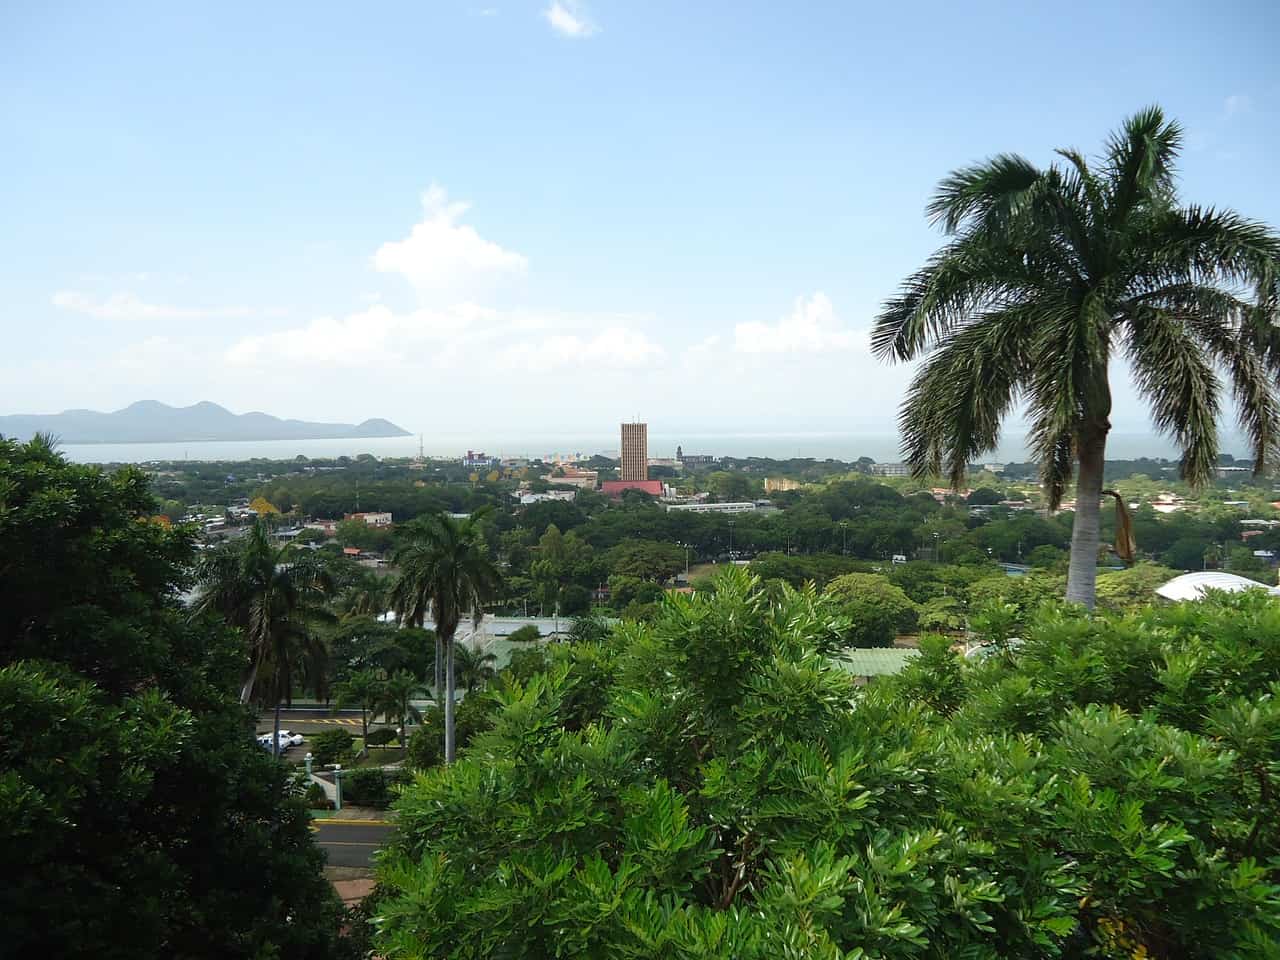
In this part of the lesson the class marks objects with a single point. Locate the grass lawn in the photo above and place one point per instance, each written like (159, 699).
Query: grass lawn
(376, 757)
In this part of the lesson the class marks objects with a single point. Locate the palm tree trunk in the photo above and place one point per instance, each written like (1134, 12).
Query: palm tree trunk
(1082, 574)
(275, 733)
(448, 703)
(435, 693)
(246, 688)
(364, 724)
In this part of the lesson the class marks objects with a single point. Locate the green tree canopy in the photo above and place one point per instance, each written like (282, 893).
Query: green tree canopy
(1108, 791)
(145, 821)
(878, 610)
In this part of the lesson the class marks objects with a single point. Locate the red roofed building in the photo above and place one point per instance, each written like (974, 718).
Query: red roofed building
(615, 488)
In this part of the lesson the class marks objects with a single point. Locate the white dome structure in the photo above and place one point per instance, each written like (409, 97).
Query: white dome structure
(1192, 586)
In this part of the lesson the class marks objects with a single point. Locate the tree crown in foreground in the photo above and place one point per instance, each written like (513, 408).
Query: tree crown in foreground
(730, 791)
(139, 818)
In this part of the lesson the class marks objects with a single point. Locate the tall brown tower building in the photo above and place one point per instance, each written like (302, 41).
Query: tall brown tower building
(635, 452)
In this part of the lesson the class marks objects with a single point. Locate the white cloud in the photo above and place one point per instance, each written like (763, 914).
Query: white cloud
(440, 255)
(128, 306)
(373, 339)
(811, 327)
(451, 340)
(1237, 103)
(568, 18)
(612, 347)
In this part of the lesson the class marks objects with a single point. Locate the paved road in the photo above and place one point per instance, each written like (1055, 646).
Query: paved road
(350, 843)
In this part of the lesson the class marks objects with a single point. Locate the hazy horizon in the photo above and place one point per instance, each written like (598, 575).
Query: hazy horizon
(535, 217)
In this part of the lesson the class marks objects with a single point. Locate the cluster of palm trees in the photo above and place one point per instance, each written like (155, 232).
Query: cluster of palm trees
(277, 595)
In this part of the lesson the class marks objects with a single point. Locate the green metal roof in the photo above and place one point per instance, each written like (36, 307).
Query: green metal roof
(876, 662)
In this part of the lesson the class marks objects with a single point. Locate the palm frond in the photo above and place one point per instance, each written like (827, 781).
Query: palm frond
(958, 400)
(1180, 385)
(1140, 162)
(991, 192)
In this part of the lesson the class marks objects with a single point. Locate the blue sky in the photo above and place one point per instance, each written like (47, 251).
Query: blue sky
(546, 214)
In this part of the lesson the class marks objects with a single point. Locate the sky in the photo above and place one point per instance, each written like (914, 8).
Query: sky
(498, 216)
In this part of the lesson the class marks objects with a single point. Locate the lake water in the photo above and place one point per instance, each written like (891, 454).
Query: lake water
(840, 446)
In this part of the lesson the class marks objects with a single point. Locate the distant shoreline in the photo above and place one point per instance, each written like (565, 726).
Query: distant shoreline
(847, 447)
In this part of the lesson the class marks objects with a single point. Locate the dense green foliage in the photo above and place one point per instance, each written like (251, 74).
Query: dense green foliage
(331, 746)
(724, 789)
(139, 818)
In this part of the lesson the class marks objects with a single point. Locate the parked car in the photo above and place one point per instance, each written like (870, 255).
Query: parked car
(287, 740)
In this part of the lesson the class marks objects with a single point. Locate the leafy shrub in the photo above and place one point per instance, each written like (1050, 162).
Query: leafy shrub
(315, 797)
(380, 737)
(371, 786)
(878, 610)
(331, 746)
(575, 600)
(1107, 788)
(526, 634)
(426, 746)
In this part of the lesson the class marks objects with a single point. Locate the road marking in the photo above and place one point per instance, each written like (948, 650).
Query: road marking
(345, 721)
(345, 843)
(353, 823)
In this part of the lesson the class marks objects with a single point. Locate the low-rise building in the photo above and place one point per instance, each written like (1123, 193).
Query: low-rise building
(616, 488)
(573, 477)
(564, 495)
(475, 459)
(891, 469)
(370, 519)
(780, 484)
(743, 506)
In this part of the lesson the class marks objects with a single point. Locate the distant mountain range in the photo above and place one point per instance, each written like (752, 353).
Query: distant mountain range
(149, 421)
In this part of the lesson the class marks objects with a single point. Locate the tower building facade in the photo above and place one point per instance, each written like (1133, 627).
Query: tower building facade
(635, 452)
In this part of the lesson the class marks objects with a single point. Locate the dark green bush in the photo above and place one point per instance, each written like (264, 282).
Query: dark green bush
(331, 746)
(316, 798)
(371, 786)
(426, 747)
(526, 634)
(380, 737)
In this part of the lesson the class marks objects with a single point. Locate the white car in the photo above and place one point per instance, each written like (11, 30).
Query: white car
(287, 740)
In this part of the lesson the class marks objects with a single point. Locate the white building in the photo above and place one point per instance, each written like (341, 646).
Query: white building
(565, 495)
(371, 519)
(891, 469)
(739, 507)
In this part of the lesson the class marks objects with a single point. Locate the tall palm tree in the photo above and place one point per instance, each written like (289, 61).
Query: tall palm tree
(273, 595)
(364, 689)
(1050, 275)
(474, 666)
(395, 700)
(445, 570)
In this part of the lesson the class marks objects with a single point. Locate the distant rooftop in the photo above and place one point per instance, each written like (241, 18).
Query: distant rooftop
(1193, 586)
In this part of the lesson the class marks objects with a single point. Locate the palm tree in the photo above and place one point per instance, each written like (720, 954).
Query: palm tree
(395, 694)
(474, 666)
(444, 569)
(1050, 275)
(370, 596)
(364, 689)
(273, 596)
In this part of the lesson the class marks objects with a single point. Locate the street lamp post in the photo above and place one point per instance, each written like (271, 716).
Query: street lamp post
(731, 541)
